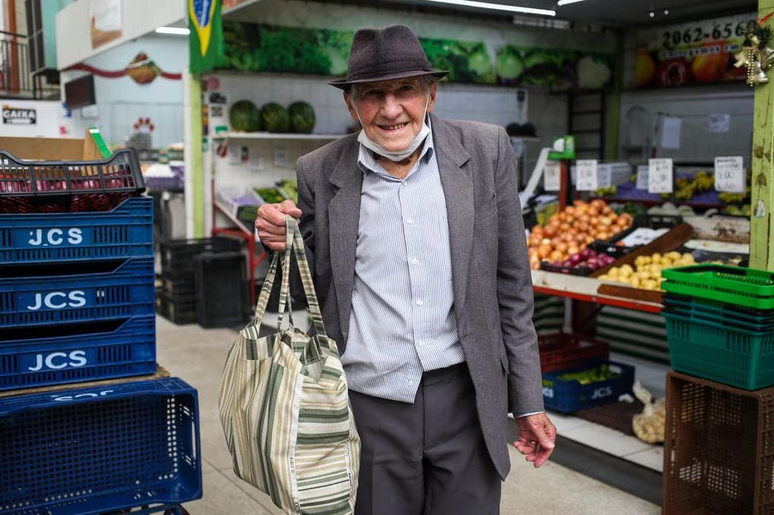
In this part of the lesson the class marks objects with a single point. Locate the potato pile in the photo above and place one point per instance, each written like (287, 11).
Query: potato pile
(646, 273)
(569, 231)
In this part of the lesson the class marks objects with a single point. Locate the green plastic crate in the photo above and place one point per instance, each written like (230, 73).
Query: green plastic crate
(721, 353)
(732, 284)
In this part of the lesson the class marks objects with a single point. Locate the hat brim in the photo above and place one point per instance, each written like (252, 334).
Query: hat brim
(347, 84)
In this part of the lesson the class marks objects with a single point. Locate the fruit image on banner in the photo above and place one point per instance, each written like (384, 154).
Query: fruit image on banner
(700, 52)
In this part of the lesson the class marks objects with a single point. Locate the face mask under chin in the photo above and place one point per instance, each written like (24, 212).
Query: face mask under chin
(397, 155)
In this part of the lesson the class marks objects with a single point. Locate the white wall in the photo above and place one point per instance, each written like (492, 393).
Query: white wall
(692, 105)
(138, 17)
(122, 101)
(49, 119)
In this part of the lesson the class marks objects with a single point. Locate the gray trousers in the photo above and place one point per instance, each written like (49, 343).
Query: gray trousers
(426, 458)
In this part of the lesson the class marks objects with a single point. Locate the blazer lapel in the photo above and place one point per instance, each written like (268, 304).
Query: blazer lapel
(343, 221)
(458, 190)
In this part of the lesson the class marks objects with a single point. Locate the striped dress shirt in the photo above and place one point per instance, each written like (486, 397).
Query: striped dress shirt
(402, 321)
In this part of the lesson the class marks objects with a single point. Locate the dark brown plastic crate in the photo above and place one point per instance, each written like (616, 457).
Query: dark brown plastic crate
(719, 448)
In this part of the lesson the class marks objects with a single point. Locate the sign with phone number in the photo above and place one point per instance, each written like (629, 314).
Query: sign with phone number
(694, 52)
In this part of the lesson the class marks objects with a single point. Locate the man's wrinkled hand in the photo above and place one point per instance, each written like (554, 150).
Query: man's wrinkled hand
(270, 223)
(537, 438)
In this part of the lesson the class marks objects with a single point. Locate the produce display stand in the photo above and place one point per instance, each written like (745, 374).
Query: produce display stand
(255, 251)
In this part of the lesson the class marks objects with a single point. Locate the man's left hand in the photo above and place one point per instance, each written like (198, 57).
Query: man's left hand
(537, 437)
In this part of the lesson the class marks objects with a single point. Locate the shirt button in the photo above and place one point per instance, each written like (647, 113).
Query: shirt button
(421, 343)
(415, 261)
(410, 383)
(409, 220)
(419, 302)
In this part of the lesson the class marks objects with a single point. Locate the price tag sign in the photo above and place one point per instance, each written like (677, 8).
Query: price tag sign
(730, 174)
(642, 177)
(660, 175)
(604, 176)
(551, 176)
(587, 178)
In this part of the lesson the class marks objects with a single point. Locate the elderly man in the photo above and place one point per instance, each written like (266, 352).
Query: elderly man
(414, 234)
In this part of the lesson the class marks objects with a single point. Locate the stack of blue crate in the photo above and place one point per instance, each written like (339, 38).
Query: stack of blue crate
(77, 304)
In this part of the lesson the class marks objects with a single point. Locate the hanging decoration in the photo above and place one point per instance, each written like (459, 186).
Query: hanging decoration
(756, 54)
(142, 69)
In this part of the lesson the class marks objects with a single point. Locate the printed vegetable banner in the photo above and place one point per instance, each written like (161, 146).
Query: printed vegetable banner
(265, 48)
(689, 53)
(555, 68)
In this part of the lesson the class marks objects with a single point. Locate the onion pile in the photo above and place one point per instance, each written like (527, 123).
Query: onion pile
(568, 232)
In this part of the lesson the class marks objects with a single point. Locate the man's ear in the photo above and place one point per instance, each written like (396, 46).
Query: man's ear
(350, 107)
(433, 90)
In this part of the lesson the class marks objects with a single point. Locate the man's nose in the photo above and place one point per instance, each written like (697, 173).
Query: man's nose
(391, 106)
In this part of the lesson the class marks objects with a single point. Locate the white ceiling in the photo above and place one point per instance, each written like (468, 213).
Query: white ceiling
(613, 13)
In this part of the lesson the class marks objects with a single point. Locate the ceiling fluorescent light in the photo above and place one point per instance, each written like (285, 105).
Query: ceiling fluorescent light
(497, 7)
(566, 2)
(178, 31)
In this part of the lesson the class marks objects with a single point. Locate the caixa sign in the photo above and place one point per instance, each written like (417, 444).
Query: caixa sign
(52, 300)
(56, 360)
(52, 237)
(83, 395)
(19, 116)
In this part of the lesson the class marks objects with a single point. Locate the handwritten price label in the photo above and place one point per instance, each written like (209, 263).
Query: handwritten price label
(604, 176)
(660, 176)
(551, 176)
(642, 177)
(587, 178)
(730, 175)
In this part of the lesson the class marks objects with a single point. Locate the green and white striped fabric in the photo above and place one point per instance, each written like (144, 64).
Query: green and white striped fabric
(284, 406)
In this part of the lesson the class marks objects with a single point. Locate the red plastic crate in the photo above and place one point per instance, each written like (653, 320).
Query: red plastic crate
(562, 350)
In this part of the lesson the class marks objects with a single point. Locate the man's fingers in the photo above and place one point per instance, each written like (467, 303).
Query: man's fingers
(289, 207)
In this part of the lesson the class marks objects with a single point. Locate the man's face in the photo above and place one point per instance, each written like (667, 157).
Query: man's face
(391, 112)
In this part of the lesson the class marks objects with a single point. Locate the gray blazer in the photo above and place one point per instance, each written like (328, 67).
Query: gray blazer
(493, 299)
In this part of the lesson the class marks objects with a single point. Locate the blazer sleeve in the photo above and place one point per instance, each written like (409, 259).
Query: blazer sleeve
(514, 290)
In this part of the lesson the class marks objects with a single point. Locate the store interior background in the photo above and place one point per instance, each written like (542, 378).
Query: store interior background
(596, 25)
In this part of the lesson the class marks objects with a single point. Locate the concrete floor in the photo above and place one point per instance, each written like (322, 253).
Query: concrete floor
(197, 355)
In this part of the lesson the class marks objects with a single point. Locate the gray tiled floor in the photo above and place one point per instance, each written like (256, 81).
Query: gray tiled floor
(196, 355)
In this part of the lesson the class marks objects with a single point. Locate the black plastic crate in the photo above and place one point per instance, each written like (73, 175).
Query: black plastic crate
(68, 186)
(179, 255)
(222, 294)
(179, 283)
(178, 309)
(611, 248)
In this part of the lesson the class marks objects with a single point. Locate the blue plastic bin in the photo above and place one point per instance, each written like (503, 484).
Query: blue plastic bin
(568, 395)
(126, 231)
(96, 450)
(41, 356)
(125, 291)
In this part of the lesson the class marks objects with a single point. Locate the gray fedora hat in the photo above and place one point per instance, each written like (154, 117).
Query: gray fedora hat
(393, 52)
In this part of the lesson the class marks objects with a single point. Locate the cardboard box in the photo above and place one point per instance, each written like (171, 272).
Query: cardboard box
(91, 148)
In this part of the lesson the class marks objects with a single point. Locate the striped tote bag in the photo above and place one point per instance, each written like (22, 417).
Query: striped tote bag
(284, 406)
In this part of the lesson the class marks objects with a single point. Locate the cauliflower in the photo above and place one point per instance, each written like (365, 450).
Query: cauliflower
(592, 74)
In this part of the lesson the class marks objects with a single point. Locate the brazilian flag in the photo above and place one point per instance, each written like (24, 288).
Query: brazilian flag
(206, 38)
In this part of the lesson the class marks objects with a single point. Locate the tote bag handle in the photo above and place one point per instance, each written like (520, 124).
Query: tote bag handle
(294, 243)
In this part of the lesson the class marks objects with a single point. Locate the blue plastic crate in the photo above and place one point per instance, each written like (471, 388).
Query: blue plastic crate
(124, 289)
(41, 356)
(95, 450)
(126, 231)
(568, 395)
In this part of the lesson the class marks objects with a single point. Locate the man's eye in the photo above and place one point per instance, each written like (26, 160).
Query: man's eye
(372, 93)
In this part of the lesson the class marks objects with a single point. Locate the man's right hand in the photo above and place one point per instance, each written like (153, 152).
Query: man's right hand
(270, 223)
